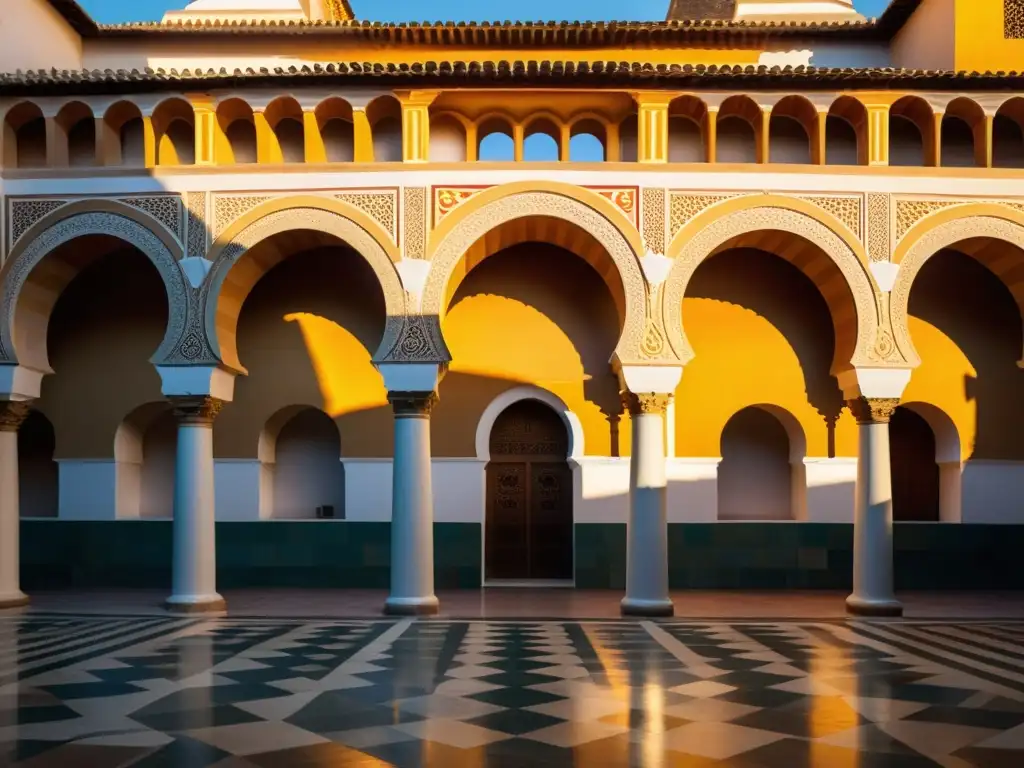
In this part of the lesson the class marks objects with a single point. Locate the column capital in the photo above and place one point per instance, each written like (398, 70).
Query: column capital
(200, 410)
(412, 404)
(13, 414)
(638, 403)
(873, 410)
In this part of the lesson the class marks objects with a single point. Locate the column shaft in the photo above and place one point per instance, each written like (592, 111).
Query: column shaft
(647, 529)
(873, 593)
(12, 414)
(194, 577)
(412, 508)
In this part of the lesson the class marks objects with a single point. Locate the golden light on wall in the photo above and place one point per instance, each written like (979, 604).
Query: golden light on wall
(343, 368)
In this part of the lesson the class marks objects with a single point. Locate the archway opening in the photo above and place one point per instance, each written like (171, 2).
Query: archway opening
(77, 127)
(793, 122)
(1008, 135)
(495, 141)
(845, 129)
(385, 116)
(37, 471)
(739, 130)
(542, 141)
(124, 135)
(964, 319)
(447, 139)
(529, 523)
(911, 132)
(145, 453)
(309, 313)
(337, 131)
(237, 125)
(175, 133)
(756, 476)
(915, 473)
(687, 119)
(587, 140)
(301, 448)
(511, 318)
(287, 123)
(764, 331)
(25, 137)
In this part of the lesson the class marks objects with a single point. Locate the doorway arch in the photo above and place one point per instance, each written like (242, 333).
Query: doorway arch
(925, 459)
(528, 531)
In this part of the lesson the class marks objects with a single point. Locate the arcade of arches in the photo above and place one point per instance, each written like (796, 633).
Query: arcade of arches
(534, 424)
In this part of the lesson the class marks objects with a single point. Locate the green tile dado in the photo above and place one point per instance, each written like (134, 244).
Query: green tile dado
(271, 553)
(281, 553)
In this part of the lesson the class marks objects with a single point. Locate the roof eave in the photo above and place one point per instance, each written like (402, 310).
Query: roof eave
(77, 17)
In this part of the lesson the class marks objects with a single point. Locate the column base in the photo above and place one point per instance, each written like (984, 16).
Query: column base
(196, 604)
(632, 606)
(412, 606)
(859, 606)
(13, 600)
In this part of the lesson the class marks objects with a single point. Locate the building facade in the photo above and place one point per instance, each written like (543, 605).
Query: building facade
(294, 299)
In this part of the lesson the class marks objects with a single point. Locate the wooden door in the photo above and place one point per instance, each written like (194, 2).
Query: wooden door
(529, 496)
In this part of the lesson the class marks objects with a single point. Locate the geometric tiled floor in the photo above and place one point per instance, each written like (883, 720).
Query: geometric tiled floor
(162, 692)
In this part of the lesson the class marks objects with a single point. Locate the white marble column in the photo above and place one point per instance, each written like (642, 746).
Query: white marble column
(873, 593)
(647, 528)
(412, 508)
(194, 577)
(12, 414)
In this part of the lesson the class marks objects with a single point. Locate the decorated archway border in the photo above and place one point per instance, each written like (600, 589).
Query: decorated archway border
(491, 208)
(79, 219)
(304, 212)
(945, 229)
(703, 235)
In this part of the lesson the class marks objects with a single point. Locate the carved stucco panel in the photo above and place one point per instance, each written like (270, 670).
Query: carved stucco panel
(95, 223)
(685, 206)
(879, 227)
(22, 214)
(164, 208)
(910, 211)
(653, 229)
(198, 236)
(845, 208)
(722, 230)
(382, 207)
(551, 204)
(414, 223)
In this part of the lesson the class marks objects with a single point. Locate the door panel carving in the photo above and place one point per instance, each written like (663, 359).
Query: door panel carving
(529, 496)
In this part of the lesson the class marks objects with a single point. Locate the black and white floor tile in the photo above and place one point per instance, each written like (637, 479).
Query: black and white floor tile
(114, 692)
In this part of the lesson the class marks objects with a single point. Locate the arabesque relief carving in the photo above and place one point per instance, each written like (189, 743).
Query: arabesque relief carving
(653, 221)
(447, 199)
(414, 223)
(909, 212)
(846, 208)
(642, 403)
(198, 234)
(624, 199)
(686, 206)
(379, 205)
(879, 227)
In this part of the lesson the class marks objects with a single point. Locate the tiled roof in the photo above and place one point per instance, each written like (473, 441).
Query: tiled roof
(76, 16)
(687, 10)
(507, 74)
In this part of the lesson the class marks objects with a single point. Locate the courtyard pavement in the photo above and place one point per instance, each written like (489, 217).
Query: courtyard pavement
(132, 686)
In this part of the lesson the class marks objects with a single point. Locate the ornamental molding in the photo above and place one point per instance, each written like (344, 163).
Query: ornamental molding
(748, 220)
(654, 202)
(873, 410)
(646, 403)
(879, 224)
(197, 410)
(414, 223)
(910, 211)
(381, 205)
(23, 213)
(100, 223)
(13, 414)
(197, 235)
(551, 204)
